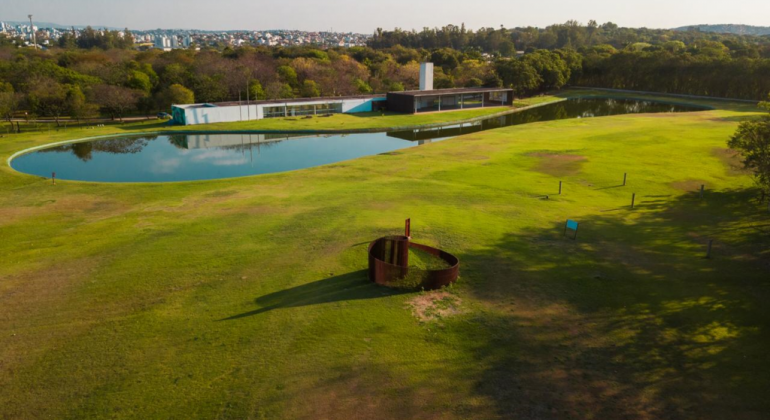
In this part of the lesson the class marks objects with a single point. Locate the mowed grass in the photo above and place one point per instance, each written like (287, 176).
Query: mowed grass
(248, 298)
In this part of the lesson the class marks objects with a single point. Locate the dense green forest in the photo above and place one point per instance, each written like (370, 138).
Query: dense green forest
(101, 73)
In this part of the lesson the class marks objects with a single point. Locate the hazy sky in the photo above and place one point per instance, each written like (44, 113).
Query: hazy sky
(366, 15)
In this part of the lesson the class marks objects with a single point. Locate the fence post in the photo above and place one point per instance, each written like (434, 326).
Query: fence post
(559, 187)
(633, 200)
(625, 176)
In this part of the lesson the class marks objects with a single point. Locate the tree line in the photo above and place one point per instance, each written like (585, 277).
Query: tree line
(97, 73)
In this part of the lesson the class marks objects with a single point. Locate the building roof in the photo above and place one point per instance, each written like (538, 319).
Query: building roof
(453, 91)
(280, 101)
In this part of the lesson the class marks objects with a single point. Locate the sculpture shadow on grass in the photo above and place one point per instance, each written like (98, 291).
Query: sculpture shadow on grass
(341, 288)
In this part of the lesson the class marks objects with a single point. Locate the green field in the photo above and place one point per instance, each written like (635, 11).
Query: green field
(248, 298)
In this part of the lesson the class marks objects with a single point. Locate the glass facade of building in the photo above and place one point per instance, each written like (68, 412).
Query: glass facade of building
(301, 110)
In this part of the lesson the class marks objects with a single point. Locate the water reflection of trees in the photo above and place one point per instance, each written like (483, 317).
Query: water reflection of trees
(573, 108)
(84, 151)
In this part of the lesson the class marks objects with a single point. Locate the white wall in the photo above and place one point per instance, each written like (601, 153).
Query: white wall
(219, 114)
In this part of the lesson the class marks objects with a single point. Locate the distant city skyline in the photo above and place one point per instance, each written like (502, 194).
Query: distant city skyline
(365, 16)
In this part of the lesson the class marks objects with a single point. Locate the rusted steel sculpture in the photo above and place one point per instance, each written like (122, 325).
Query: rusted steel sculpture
(389, 264)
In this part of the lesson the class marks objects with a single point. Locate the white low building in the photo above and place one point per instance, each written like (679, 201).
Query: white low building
(205, 113)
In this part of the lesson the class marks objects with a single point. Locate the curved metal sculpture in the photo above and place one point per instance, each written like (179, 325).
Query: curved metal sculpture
(389, 265)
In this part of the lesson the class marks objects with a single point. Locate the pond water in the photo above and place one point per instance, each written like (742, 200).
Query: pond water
(188, 157)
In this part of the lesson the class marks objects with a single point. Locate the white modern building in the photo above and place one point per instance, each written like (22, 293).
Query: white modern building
(195, 114)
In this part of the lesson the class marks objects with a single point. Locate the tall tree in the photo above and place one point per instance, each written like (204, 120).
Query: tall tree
(77, 106)
(48, 98)
(115, 101)
(753, 141)
(9, 101)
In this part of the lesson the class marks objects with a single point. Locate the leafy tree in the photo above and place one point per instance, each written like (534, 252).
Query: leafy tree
(115, 101)
(209, 89)
(175, 94)
(139, 81)
(288, 76)
(91, 38)
(519, 75)
(362, 86)
(174, 73)
(474, 82)
(286, 92)
(446, 58)
(256, 92)
(9, 101)
(77, 106)
(551, 67)
(310, 89)
(48, 98)
(753, 141)
(68, 41)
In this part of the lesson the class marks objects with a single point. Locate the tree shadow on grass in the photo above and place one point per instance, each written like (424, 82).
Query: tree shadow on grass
(345, 287)
(630, 321)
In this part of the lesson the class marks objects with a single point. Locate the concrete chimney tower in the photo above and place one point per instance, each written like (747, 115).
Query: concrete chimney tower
(426, 76)
(32, 28)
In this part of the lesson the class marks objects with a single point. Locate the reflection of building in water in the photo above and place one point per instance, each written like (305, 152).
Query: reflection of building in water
(424, 135)
(237, 141)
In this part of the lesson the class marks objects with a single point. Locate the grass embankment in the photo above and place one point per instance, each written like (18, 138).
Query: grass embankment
(248, 298)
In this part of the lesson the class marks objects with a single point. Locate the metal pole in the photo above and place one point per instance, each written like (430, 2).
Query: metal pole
(633, 199)
(624, 179)
(248, 100)
(559, 187)
(53, 178)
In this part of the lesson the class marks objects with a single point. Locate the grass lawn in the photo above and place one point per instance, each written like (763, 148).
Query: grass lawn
(248, 298)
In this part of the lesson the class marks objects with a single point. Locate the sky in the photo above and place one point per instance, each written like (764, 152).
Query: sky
(364, 16)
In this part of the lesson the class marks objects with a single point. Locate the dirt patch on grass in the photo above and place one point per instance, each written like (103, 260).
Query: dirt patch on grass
(34, 314)
(558, 164)
(75, 204)
(435, 306)
(371, 394)
(732, 160)
(689, 185)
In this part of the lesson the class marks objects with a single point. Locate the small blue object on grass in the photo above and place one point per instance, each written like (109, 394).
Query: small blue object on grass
(571, 225)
